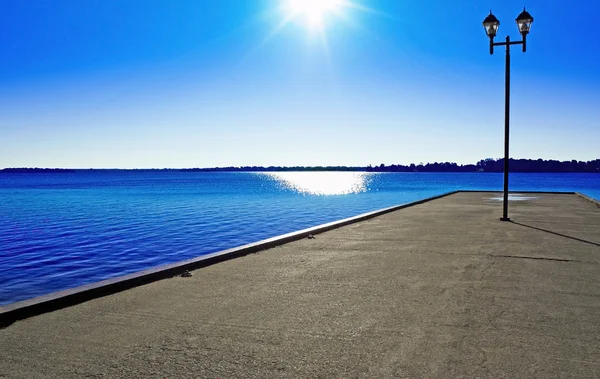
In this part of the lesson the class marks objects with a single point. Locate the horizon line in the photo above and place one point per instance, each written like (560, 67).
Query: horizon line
(303, 167)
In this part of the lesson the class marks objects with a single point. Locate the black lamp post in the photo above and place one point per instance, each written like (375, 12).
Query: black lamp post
(491, 25)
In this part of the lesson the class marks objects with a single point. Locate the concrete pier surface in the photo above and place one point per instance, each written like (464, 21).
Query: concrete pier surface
(438, 290)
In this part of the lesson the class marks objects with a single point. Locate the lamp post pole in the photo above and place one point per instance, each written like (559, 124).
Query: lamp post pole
(506, 130)
(491, 25)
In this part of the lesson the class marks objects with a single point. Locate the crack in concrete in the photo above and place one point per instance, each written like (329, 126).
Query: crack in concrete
(536, 258)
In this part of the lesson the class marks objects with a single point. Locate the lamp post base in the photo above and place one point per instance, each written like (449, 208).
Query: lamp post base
(504, 219)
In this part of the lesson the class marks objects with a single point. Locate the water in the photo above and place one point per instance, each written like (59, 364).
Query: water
(59, 231)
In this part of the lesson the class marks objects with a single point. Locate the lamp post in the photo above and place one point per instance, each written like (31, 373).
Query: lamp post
(491, 24)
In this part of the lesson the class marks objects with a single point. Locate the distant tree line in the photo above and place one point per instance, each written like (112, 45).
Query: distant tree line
(275, 168)
(539, 165)
(485, 165)
(497, 165)
(428, 167)
(37, 170)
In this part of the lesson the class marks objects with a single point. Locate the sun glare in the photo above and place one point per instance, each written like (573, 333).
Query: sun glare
(314, 15)
(323, 183)
(314, 12)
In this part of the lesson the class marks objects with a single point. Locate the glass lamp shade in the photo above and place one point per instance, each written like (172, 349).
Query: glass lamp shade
(524, 22)
(491, 25)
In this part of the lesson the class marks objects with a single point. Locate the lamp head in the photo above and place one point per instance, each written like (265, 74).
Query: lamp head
(524, 22)
(491, 25)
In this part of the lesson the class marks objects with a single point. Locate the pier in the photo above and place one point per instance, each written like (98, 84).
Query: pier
(441, 289)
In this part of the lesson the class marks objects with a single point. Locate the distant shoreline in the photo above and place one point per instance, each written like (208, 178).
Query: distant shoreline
(486, 165)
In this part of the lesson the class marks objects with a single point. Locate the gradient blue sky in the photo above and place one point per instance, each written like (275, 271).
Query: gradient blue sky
(198, 83)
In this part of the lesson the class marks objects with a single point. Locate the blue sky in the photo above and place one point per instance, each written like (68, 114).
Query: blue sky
(195, 83)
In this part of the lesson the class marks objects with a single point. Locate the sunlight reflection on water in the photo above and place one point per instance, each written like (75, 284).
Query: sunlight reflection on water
(323, 183)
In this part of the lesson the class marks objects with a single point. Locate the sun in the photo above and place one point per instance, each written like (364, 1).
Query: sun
(314, 15)
(313, 12)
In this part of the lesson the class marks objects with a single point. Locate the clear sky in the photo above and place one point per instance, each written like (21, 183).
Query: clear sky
(204, 83)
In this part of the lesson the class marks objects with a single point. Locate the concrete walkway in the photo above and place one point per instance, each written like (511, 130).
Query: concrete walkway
(438, 290)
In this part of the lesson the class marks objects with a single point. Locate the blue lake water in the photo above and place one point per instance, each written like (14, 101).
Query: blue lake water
(59, 231)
